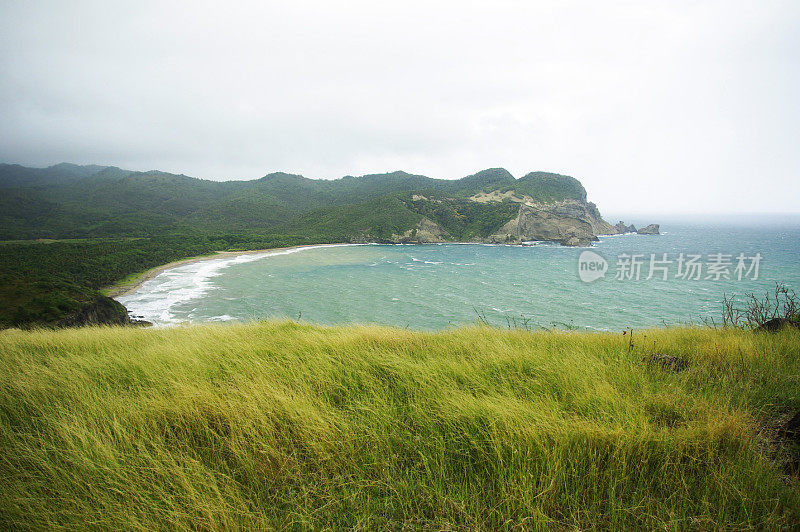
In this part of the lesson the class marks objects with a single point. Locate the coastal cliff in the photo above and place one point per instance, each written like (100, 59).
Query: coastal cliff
(571, 221)
(496, 208)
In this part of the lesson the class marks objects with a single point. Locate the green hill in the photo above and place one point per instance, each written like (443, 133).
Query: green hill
(14, 175)
(546, 187)
(69, 201)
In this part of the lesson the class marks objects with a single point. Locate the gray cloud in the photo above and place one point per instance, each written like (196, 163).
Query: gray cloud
(680, 106)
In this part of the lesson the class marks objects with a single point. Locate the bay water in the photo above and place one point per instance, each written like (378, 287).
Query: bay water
(436, 286)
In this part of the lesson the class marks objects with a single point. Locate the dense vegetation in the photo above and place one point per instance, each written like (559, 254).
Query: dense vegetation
(546, 187)
(286, 425)
(374, 220)
(42, 282)
(119, 222)
(68, 201)
(465, 220)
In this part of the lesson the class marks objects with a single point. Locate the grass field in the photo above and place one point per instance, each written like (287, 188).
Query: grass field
(286, 425)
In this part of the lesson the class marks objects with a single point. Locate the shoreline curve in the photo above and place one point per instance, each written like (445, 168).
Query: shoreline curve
(124, 289)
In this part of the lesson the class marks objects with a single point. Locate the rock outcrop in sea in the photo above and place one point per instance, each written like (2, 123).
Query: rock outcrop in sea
(621, 228)
(651, 229)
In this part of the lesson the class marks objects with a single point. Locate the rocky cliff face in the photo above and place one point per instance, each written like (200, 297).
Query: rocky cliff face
(570, 222)
(426, 232)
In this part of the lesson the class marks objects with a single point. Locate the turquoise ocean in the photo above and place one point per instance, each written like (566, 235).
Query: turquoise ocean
(443, 285)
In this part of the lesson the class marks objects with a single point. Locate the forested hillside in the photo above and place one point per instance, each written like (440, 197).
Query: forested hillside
(68, 201)
(69, 230)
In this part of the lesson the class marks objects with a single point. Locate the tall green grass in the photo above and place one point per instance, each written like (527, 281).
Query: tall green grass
(287, 425)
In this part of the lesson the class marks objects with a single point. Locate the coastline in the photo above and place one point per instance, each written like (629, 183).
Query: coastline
(124, 289)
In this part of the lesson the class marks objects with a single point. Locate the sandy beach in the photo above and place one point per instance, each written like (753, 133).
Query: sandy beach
(119, 290)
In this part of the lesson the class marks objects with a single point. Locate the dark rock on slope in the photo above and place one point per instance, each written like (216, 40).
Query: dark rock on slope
(102, 311)
(776, 324)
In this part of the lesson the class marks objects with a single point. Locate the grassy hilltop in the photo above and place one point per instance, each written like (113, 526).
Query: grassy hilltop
(279, 424)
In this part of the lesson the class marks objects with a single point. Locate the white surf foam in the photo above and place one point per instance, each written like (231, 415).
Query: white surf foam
(155, 300)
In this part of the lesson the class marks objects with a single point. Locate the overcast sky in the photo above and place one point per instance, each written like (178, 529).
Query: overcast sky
(673, 106)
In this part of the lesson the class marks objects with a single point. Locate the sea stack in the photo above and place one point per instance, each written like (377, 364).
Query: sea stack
(651, 229)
